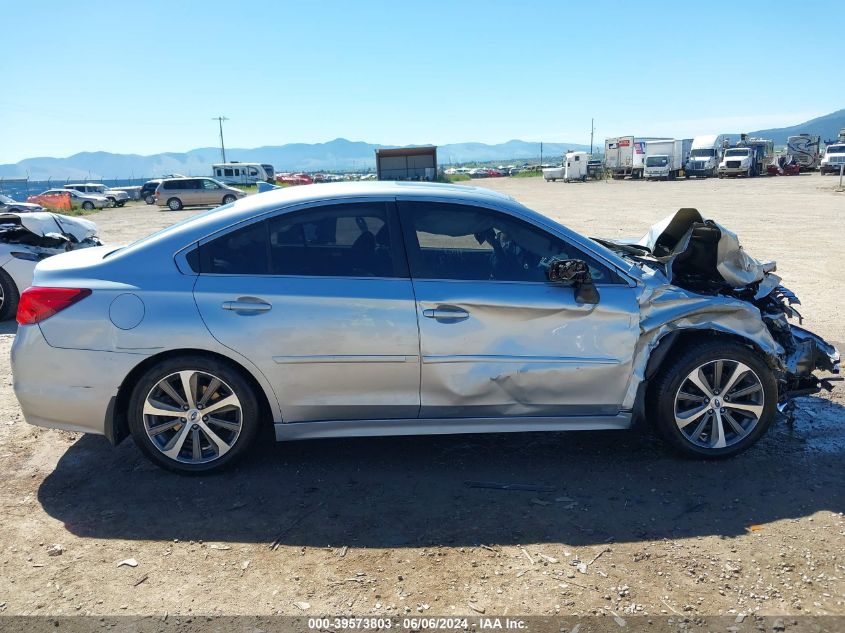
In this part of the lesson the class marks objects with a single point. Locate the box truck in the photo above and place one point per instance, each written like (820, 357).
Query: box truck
(665, 158)
(705, 155)
(623, 156)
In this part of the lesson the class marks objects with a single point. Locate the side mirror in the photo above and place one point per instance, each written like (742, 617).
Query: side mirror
(576, 273)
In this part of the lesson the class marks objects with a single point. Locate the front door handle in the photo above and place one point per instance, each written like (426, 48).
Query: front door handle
(247, 304)
(446, 313)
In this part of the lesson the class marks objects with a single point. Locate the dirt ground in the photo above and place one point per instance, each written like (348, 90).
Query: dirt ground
(392, 526)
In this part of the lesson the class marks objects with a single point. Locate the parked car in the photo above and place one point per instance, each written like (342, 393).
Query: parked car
(176, 193)
(148, 190)
(27, 238)
(117, 197)
(87, 201)
(7, 204)
(294, 179)
(363, 309)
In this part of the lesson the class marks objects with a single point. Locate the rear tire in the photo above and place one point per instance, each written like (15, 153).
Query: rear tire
(9, 296)
(736, 411)
(87, 205)
(150, 199)
(174, 204)
(198, 442)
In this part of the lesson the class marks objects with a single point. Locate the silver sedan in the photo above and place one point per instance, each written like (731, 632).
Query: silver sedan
(364, 309)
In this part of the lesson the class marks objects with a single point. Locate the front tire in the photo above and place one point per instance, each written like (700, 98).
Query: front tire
(193, 414)
(150, 199)
(229, 199)
(714, 399)
(9, 296)
(174, 204)
(87, 205)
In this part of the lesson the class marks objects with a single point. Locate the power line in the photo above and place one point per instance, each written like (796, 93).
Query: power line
(220, 120)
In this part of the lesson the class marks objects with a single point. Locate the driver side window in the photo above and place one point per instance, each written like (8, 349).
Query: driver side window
(453, 241)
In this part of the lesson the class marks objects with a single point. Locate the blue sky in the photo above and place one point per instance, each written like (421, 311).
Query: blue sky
(147, 77)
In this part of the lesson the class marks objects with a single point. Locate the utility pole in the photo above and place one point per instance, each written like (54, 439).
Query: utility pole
(220, 120)
(592, 131)
(541, 154)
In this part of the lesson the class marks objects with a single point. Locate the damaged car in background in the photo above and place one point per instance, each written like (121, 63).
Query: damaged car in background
(28, 237)
(367, 309)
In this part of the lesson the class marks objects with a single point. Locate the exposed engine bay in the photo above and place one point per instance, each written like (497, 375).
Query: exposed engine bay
(704, 258)
(47, 233)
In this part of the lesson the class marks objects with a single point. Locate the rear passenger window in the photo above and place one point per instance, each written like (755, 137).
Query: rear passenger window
(348, 240)
(239, 252)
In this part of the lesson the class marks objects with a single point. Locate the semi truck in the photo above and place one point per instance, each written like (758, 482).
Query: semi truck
(574, 168)
(705, 155)
(834, 157)
(665, 158)
(623, 156)
(749, 157)
(804, 148)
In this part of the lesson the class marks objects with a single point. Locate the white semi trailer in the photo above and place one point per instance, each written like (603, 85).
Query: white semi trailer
(705, 155)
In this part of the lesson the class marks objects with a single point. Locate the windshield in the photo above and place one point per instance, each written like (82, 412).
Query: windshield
(835, 149)
(706, 152)
(5, 199)
(657, 161)
(742, 151)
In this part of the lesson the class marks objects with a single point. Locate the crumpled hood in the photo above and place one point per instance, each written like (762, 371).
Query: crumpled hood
(43, 223)
(670, 238)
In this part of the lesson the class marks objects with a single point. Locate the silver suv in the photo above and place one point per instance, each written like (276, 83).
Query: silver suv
(176, 193)
(117, 197)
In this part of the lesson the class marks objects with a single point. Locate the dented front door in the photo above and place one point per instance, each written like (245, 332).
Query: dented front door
(496, 338)
(522, 349)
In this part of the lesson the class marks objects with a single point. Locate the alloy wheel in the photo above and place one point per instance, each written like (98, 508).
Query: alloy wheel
(192, 417)
(719, 403)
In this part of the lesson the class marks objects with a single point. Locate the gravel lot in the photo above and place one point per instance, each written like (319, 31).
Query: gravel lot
(390, 526)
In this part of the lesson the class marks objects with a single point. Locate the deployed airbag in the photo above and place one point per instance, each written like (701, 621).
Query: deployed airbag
(691, 245)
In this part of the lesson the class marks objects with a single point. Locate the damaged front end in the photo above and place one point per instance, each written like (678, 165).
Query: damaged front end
(702, 259)
(42, 234)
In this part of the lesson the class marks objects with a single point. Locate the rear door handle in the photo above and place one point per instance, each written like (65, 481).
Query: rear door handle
(448, 313)
(247, 304)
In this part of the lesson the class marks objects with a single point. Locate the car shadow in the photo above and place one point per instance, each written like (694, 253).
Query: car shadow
(9, 326)
(583, 488)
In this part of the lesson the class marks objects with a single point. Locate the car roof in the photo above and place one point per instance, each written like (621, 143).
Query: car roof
(289, 196)
(198, 227)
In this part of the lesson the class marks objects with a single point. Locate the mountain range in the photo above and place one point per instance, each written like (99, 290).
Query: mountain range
(339, 154)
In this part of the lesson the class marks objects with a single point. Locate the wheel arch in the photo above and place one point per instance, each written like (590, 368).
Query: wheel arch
(117, 424)
(672, 343)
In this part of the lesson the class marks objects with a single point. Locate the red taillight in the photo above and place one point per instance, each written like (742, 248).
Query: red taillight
(37, 304)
